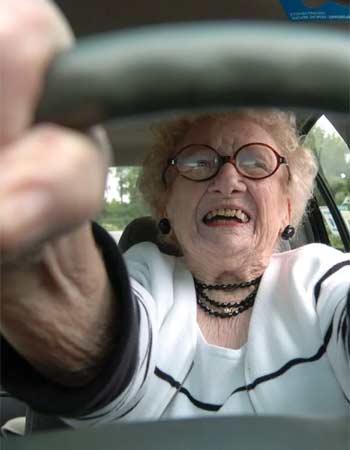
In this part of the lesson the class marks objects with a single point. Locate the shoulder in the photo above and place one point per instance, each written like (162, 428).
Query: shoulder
(310, 265)
(311, 255)
(162, 281)
(148, 254)
(148, 265)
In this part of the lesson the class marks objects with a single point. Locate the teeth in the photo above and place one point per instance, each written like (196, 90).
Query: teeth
(242, 216)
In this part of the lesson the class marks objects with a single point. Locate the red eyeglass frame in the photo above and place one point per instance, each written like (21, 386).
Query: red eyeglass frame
(281, 160)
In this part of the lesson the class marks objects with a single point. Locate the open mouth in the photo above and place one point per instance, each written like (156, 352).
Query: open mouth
(225, 215)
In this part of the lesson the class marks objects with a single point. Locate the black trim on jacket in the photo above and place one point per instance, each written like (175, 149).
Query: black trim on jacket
(45, 396)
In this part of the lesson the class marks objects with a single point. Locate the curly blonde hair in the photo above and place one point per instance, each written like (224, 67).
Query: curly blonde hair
(280, 125)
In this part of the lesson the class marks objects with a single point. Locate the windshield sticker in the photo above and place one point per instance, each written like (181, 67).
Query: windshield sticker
(317, 10)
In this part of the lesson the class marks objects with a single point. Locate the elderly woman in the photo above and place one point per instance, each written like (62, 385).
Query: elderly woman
(229, 326)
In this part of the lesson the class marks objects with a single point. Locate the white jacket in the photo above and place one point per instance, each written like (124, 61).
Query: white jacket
(295, 362)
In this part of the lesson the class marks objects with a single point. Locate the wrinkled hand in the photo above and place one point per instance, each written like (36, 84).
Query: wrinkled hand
(52, 179)
(51, 185)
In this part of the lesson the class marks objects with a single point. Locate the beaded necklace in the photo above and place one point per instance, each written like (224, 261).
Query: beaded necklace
(225, 310)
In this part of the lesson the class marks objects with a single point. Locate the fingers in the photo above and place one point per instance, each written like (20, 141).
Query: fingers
(52, 181)
(31, 32)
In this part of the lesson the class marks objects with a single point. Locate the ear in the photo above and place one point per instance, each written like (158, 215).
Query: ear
(288, 214)
(163, 203)
(289, 210)
(165, 212)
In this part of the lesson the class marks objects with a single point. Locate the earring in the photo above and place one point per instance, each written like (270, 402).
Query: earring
(164, 226)
(288, 232)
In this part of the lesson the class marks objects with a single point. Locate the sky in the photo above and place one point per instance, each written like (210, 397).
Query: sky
(326, 125)
(111, 191)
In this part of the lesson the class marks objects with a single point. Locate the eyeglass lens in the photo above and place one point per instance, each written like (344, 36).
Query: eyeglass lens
(200, 162)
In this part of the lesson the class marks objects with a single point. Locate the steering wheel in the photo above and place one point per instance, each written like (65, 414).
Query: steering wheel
(197, 66)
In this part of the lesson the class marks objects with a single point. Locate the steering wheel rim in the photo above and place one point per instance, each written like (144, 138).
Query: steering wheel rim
(199, 65)
(226, 433)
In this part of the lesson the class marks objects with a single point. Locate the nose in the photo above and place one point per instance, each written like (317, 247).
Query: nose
(228, 180)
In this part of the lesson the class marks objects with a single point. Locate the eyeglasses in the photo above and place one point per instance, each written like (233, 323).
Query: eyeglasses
(200, 162)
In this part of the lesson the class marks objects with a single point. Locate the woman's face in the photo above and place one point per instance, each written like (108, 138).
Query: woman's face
(264, 203)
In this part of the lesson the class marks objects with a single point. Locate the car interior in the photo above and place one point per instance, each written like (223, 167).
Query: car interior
(99, 82)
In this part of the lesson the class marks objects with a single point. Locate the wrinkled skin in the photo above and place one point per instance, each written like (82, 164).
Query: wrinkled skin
(229, 251)
(54, 289)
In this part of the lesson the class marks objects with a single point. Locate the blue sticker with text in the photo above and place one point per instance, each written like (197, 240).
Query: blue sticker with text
(317, 10)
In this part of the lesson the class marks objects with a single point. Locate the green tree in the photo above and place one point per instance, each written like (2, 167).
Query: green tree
(333, 156)
(121, 174)
(115, 215)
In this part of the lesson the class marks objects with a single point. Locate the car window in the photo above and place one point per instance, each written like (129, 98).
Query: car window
(122, 200)
(333, 156)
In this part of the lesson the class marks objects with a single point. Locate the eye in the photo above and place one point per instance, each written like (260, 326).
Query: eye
(256, 160)
(197, 162)
(205, 163)
(261, 164)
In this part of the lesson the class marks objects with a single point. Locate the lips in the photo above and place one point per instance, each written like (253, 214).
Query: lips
(226, 214)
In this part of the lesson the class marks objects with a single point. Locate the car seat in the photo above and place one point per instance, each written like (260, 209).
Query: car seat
(144, 229)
